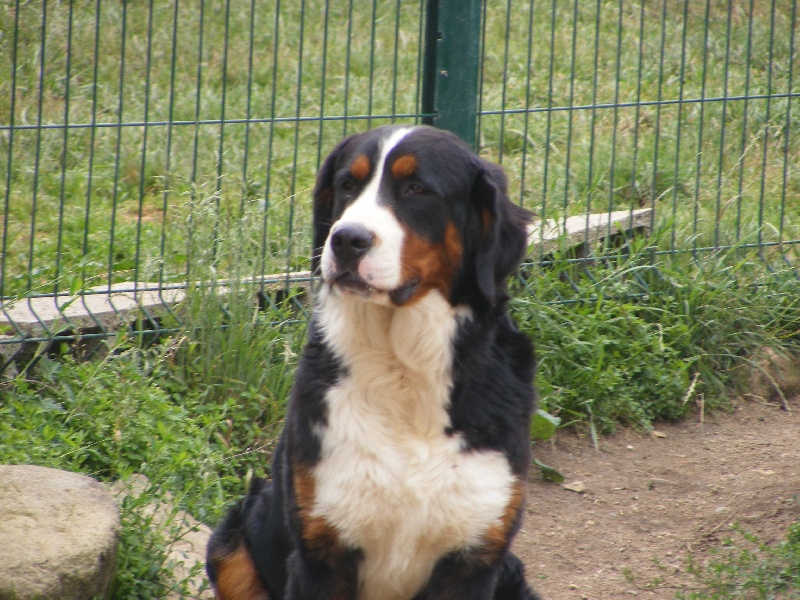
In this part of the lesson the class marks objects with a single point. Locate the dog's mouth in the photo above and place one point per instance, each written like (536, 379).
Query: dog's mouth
(402, 294)
(354, 284)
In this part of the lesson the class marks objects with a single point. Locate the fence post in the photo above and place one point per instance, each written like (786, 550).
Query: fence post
(451, 68)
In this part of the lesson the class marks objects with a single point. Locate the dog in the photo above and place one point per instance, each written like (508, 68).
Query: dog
(400, 472)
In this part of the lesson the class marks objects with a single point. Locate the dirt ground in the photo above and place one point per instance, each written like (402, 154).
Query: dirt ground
(658, 497)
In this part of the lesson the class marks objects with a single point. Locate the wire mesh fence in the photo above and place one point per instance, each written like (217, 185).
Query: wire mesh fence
(688, 108)
(147, 146)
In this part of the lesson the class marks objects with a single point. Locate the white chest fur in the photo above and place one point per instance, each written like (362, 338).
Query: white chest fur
(391, 481)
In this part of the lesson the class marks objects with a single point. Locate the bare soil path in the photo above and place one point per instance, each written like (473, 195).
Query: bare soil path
(651, 498)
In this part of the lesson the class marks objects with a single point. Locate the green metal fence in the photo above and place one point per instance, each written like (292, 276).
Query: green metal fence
(148, 145)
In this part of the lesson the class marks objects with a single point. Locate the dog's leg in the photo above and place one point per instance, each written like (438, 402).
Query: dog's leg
(230, 564)
(236, 577)
(512, 585)
(311, 579)
(467, 577)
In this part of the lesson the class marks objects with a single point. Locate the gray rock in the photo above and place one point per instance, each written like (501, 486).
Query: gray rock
(58, 535)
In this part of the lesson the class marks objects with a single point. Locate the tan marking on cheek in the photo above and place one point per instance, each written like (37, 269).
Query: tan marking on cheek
(361, 167)
(237, 578)
(404, 166)
(435, 265)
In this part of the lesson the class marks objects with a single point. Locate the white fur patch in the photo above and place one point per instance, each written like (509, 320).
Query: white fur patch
(381, 266)
(391, 481)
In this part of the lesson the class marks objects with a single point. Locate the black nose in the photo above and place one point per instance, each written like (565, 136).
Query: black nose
(350, 242)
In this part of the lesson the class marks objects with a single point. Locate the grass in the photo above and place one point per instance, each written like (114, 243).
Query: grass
(746, 567)
(104, 201)
(216, 185)
(262, 91)
(194, 413)
(700, 163)
(625, 340)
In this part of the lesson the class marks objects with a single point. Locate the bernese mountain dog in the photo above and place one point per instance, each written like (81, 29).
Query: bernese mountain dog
(400, 473)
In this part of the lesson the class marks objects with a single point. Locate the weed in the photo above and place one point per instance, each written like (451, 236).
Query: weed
(746, 567)
(125, 414)
(632, 343)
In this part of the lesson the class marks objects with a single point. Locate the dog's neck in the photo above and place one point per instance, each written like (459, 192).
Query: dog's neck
(398, 360)
(418, 337)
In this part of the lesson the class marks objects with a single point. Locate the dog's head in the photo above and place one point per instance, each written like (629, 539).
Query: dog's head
(400, 211)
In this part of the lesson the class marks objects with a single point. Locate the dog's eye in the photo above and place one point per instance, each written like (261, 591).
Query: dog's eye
(415, 189)
(347, 185)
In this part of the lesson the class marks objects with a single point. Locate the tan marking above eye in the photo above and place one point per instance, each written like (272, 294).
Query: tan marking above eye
(361, 167)
(404, 166)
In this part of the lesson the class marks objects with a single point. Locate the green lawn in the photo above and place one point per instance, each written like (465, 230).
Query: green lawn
(217, 185)
(242, 100)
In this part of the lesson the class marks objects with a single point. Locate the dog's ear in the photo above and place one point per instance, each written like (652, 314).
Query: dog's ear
(324, 200)
(504, 235)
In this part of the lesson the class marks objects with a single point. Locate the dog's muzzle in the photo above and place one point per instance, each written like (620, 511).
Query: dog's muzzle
(349, 243)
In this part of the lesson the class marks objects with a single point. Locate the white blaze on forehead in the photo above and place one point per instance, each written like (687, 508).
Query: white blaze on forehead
(370, 193)
(381, 267)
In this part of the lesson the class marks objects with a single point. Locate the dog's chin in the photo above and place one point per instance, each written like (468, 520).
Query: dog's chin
(351, 285)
